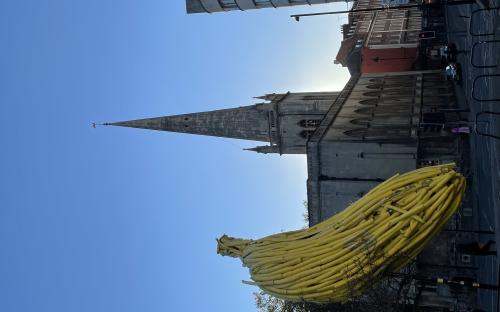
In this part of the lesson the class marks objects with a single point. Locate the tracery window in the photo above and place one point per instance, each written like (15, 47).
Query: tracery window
(372, 102)
(386, 110)
(373, 133)
(399, 92)
(399, 84)
(372, 93)
(263, 3)
(309, 123)
(228, 4)
(397, 79)
(363, 121)
(306, 134)
(319, 97)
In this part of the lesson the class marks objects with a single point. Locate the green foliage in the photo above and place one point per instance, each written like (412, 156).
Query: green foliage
(305, 215)
(268, 303)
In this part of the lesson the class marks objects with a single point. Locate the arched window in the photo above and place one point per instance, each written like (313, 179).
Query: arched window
(376, 80)
(363, 121)
(306, 134)
(399, 79)
(372, 93)
(228, 4)
(319, 97)
(365, 111)
(399, 84)
(399, 100)
(378, 133)
(374, 86)
(399, 92)
(356, 133)
(263, 3)
(369, 102)
(309, 123)
(385, 110)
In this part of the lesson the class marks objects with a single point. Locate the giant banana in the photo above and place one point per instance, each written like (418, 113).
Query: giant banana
(332, 260)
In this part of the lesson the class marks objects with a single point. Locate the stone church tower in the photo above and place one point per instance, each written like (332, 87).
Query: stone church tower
(284, 121)
(211, 6)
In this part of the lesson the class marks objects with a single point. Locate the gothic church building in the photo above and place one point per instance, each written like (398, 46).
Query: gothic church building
(378, 125)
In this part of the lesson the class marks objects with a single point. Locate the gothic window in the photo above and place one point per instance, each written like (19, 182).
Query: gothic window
(400, 84)
(376, 80)
(272, 119)
(372, 102)
(372, 93)
(400, 100)
(374, 133)
(306, 134)
(399, 79)
(356, 133)
(386, 110)
(263, 3)
(365, 111)
(363, 121)
(398, 92)
(318, 97)
(228, 4)
(309, 123)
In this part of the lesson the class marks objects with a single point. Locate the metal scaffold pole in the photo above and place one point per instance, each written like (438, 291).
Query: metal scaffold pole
(399, 7)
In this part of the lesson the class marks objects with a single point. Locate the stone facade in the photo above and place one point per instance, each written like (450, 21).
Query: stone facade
(378, 117)
(388, 123)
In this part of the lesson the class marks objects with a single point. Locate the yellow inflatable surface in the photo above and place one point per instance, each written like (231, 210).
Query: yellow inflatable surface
(382, 231)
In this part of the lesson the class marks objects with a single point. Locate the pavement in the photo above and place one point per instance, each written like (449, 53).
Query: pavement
(485, 151)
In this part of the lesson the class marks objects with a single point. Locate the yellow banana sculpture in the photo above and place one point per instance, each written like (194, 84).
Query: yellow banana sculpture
(382, 231)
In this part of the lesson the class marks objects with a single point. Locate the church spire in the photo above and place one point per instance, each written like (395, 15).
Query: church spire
(247, 123)
(265, 149)
(285, 121)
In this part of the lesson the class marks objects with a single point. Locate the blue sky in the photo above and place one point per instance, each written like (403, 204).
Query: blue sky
(115, 219)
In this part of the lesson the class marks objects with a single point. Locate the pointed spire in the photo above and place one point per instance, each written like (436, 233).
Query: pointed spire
(265, 149)
(262, 97)
(268, 97)
(247, 123)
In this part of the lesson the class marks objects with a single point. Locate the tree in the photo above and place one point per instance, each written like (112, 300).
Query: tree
(305, 215)
(395, 292)
(268, 303)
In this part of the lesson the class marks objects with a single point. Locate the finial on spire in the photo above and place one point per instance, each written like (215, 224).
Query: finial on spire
(263, 149)
(95, 124)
